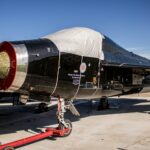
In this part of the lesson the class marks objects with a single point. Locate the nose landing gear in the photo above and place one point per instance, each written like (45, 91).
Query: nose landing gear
(63, 123)
(64, 129)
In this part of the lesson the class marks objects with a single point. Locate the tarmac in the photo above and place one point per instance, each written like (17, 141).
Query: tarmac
(125, 126)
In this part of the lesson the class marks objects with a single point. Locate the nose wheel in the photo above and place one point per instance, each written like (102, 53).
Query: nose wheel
(69, 127)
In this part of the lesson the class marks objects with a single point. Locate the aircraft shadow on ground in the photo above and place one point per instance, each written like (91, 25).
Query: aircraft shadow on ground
(33, 122)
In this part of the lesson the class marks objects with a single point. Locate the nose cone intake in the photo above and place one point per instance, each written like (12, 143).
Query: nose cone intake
(7, 65)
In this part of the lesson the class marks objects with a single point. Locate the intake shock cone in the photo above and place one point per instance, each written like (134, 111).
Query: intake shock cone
(4, 65)
(8, 64)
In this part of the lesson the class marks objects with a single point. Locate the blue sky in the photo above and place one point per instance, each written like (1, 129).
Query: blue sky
(127, 22)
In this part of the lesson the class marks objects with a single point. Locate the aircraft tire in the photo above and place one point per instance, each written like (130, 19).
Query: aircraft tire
(69, 124)
(103, 104)
(42, 107)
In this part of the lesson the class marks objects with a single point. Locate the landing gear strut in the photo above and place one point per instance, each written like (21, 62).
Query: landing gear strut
(63, 123)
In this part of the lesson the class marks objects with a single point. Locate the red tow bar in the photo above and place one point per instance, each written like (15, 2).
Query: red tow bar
(49, 132)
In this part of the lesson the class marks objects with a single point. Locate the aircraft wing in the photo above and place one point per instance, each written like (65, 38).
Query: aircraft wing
(119, 57)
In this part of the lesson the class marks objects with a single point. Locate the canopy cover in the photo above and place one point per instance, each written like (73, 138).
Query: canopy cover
(79, 41)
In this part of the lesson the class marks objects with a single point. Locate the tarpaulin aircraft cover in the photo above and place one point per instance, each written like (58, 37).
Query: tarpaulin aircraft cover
(80, 41)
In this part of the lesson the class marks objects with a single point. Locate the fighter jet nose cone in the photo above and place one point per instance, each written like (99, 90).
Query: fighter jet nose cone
(4, 65)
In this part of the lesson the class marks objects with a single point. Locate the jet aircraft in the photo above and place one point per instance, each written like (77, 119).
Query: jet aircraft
(74, 63)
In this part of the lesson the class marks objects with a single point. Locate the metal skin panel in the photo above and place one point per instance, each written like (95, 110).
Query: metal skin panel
(69, 75)
(43, 58)
(89, 82)
(21, 67)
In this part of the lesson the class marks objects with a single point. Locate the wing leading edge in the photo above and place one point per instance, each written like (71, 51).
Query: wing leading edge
(119, 57)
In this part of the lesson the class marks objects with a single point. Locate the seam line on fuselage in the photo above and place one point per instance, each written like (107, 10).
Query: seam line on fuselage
(57, 75)
(79, 81)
